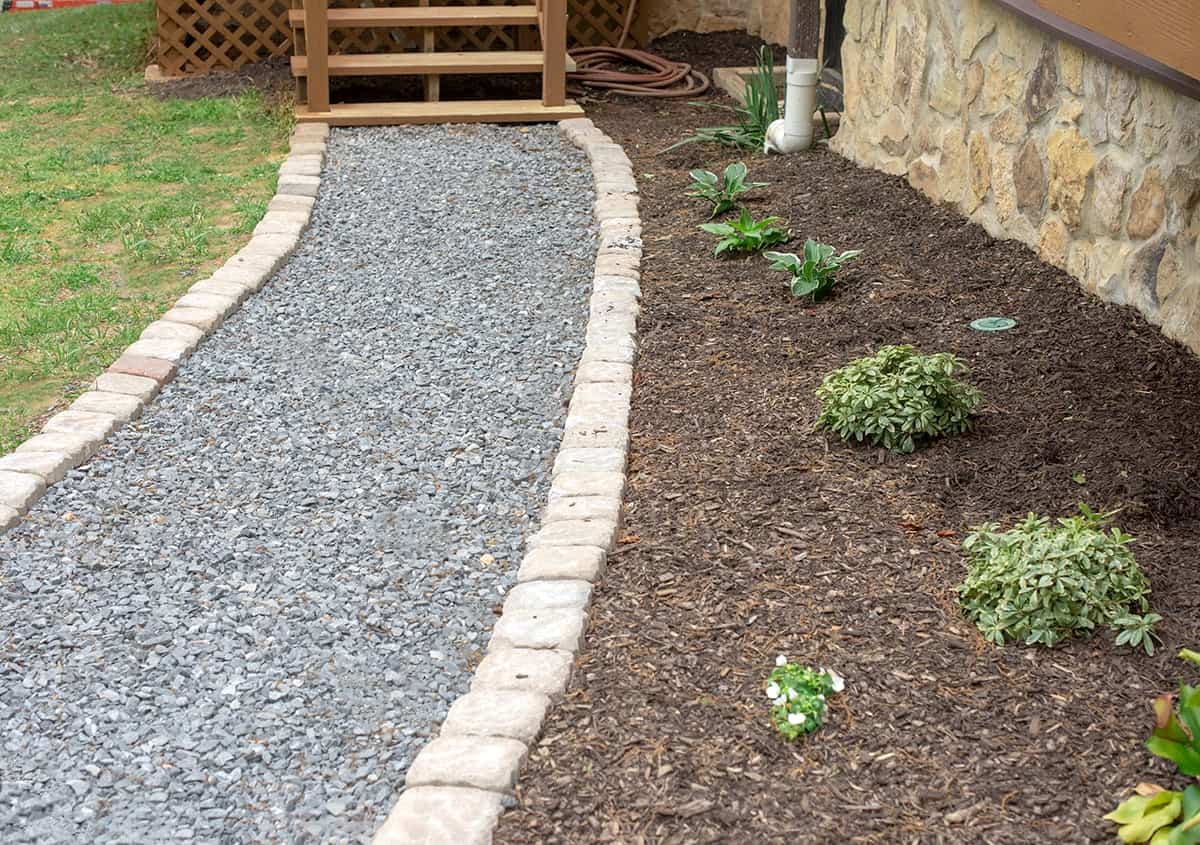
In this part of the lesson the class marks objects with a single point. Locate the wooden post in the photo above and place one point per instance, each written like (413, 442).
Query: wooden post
(554, 52)
(433, 82)
(316, 33)
(804, 36)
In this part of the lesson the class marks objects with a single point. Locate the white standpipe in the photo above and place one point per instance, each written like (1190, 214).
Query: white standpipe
(794, 132)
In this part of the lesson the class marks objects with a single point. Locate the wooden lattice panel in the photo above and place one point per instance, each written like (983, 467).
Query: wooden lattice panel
(197, 36)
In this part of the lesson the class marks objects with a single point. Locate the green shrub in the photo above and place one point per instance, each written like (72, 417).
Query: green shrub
(1043, 581)
(758, 109)
(722, 193)
(746, 234)
(814, 275)
(897, 396)
(798, 697)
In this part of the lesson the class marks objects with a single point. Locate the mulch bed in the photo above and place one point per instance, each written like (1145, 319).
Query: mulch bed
(747, 534)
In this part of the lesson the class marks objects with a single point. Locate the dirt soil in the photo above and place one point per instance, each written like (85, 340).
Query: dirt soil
(748, 534)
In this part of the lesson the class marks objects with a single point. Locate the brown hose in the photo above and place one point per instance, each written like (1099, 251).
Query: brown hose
(597, 67)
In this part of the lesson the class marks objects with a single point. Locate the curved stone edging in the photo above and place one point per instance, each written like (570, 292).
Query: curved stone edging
(459, 783)
(122, 392)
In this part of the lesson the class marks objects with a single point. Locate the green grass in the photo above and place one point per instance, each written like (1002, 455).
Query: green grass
(112, 202)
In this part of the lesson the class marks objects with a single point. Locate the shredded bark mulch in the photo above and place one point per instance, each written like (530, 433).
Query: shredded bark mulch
(748, 534)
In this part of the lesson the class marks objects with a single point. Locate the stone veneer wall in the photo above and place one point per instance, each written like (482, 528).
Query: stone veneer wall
(767, 19)
(1095, 167)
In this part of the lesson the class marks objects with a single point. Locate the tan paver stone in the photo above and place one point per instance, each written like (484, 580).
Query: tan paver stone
(48, 466)
(548, 595)
(172, 330)
(140, 365)
(602, 392)
(204, 319)
(167, 349)
(575, 532)
(481, 762)
(537, 670)
(222, 287)
(606, 508)
(94, 426)
(77, 447)
(8, 517)
(607, 484)
(143, 388)
(604, 371)
(303, 186)
(583, 563)
(441, 815)
(280, 223)
(613, 413)
(310, 131)
(246, 275)
(291, 202)
(19, 490)
(302, 147)
(508, 713)
(596, 436)
(213, 302)
(589, 459)
(556, 628)
(120, 405)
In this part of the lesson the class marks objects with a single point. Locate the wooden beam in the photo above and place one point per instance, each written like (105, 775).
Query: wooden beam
(316, 29)
(804, 34)
(554, 49)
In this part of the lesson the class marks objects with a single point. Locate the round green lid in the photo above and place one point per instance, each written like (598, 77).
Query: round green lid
(993, 324)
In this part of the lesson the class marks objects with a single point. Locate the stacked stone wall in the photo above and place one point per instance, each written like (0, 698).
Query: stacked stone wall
(1095, 167)
(767, 19)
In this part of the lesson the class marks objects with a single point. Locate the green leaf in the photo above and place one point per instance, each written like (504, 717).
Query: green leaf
(1142, 815)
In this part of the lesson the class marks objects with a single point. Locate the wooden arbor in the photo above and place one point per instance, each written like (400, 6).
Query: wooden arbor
(312, 65)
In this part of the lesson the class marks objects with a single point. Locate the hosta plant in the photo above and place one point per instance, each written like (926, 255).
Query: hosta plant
(814, 274)
(722, 192)
(896, 397)
(1163, 816)
(799, 697)
(745, 234)
(1042, 581)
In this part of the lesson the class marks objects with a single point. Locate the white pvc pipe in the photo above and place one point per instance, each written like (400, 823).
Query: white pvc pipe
(794, 132)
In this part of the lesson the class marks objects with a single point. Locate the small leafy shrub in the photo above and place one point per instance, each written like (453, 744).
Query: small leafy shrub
(746, 234)
(814, 275)
(1043, 581)
(798, 697)
(1163, 816)
(896, 397)
(722, 193)
(758, 109)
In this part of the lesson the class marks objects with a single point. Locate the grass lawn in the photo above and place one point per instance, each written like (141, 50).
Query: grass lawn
(112, 202)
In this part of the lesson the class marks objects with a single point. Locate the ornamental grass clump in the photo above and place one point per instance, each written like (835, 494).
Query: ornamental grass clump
(798, 697)
(1043, 581)
(896, 397)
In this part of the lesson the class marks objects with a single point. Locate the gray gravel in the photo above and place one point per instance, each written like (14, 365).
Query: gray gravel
(242, 620)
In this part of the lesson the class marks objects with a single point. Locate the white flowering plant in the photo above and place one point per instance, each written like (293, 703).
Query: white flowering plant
(799, 697)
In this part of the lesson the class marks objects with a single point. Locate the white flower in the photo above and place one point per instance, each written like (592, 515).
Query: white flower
(779, 702)
(781, 661)
(795, 718)
(821, 696)
(792, 694)
(839, 683)
(773, 691)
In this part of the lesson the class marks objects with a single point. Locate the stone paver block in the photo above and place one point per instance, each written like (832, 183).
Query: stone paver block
(143, 388)
(48, 466)
(441, 815)
(564, 508)
(249, 276)
(171, 330)
(604, 371)
(533, 596)
(615, 205)
(303, 186)
(618, 265)
(281, 245)
(600, 152)
(77, 447)
(613, 413)
(256, 258)
(222, 287)
(618, 181)
(575, 532)
(558, 628)
(304, 147)
(482, 762)
(120, 405)
(140, 365)
(608, 301)
(616, 284)
(601, 392)
(291, 202)
(223, 305)
(594, 459)
(301, 165)
(509, 713)
(605, 484)
(281, 223)
(90, 424)
(167, 349)
(204, 319)
(610, 323)
(8, 517)
(537, 670)
(594, 436)
(615, 353)
(310, 131)
(583, 563)
(19, 490)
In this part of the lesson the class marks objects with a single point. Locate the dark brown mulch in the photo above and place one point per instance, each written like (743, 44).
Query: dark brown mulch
(273, 78)
(748, 534)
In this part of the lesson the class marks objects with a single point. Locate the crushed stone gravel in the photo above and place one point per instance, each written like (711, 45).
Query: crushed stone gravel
(242, 620)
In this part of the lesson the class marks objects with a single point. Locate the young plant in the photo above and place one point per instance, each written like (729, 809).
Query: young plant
(746, 234)
(723, 192)
(759, 107)
(1043, 581)
(814, 275)
(1163, 816)
(896, 397)
(798, 697)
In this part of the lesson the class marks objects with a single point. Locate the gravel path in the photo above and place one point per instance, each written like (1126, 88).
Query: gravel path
(240, 622)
